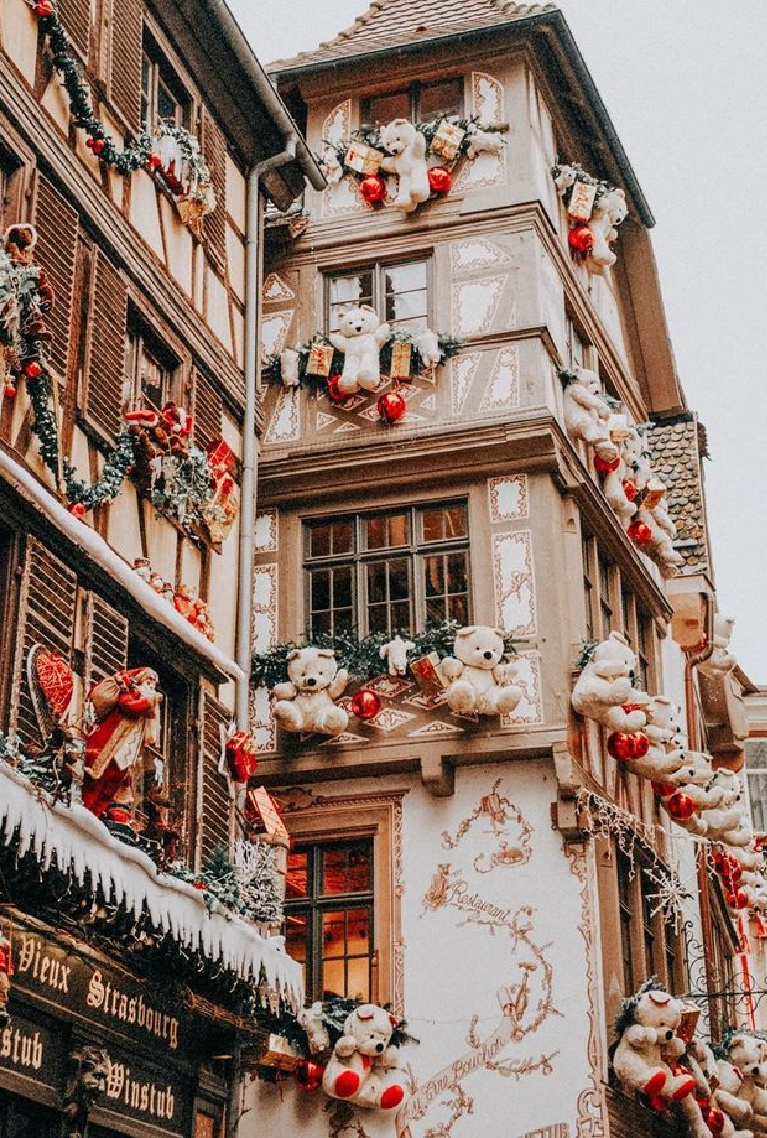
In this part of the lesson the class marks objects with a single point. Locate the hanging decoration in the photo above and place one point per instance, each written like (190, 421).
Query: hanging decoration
(6, 972)
(595, 210)
(421, 157)
(241, 759)
(479, 682)
(171, 154)
(306, 703)
(391, 407)
(364, 1069)
(365, 704)
(649, 1047)
(184, 598)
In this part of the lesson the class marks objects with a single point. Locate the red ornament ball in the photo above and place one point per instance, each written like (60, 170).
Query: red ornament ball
(9, 390)
(641, 745)
(43, 8)
(440, 180)
(621, 746)
(680, 806)
(630, 489)
(335, 395)
(309, 1075)
(714, 1120)
(580, 239)
(640, 533)
(605, 466)
(365, 704)
(663, 789)
(391, 407)
(373, 189)
(76, 509)
(153, 161)
(32, 369)
(96, 145)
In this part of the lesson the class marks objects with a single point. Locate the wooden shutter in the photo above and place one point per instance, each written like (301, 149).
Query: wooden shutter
(106, 642)
(214, 152)
(57, 227)
(217, 807)
(106, 357)
(208, 412)
(47, 609)
(76, 17)
(127, 49)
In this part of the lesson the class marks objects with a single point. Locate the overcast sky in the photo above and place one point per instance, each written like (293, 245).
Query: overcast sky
(684, 84)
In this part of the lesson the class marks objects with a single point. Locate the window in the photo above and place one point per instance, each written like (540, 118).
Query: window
(644, 650)
(648, 930)
(722, 949)
(399, 293)
(420, 102)
(576, 345)
(10, 187)
(387, 572)
(588, 584)
(7, 623)
(150, 369)
(329, 917)
(625, 885)
(756, 778)
(163, 98)
(671, 946)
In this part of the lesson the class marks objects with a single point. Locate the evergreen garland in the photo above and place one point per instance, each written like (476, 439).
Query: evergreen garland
(271, 371)
(335, 1012)
(187, 497)
(581, 175)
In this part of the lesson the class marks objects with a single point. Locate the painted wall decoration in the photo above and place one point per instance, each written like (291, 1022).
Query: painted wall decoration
(509, 498)
(488, 102)
(514, 582)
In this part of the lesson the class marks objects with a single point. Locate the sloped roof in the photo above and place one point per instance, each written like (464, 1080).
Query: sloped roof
(676, 458)
(392, 23)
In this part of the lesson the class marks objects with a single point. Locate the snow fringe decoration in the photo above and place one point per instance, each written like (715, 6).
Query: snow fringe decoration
(79, 843)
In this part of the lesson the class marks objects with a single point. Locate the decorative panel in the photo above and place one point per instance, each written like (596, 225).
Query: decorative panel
(508, 498)
(514, 583)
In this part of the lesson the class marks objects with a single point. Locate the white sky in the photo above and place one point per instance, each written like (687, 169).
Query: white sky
(684, 85)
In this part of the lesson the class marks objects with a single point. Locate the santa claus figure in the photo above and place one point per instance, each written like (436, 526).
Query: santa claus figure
(6, 971)
(125, 708)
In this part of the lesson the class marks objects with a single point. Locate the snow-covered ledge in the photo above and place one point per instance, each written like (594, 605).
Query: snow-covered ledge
(81, 843)
(103, 555)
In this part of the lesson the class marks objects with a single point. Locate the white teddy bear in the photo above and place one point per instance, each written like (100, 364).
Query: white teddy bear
(604, 688)
(637, 458)
(663, 531)
(587, 414)
(306, 703)
(726, 816)
(564, 178)
(665, 756)
(487, 142)
(703, 1120)
(395, 654)
(427, 346)
(647, 1027)
(364, 1069)
(720, 661)
(723, 1083)
(746, 1053)
(407, 149)
(359, 339)
(479, 682)
(609, 212)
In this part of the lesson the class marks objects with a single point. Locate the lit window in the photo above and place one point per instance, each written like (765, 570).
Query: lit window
(398, 293)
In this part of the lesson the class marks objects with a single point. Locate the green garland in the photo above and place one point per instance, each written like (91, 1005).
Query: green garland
(271, 372)
(580, 175)
(335, 1012)
(360, 657)
(188, 497)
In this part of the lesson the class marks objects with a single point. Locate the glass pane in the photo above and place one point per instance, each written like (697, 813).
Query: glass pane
(359, 871)
(458, 609)
(351, 289)
(296, 935)
(342, 588)
(343, 537)
(399, 580)
(405, 278)
(342, 618)
(376, 583)
(433, 525)
(436, 610)
(457, 573)
(167, 106)
(378, 618)
(320, 589)
(435, 575)
(398, 530)
(333, 983)
(333, 872)
(384, 108)
(406, 306)
(455, 519)
(359, 978)
(297, 879)
(358, 932)
(320, 623)
(319, 541)
(443, 98)
(401, 619)
(376, 533)
(332, 934)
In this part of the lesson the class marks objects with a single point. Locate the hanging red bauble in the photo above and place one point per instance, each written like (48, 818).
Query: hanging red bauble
(440, 180)
(714, 1120)
(641, 744)
(43, 8)
(605, 466)
(663, 789)
(621, 746)
(737, 899)
(309, 1075)
(76, 509)
(32, 369)
(630, 489)
(10, 389)
(640, 533)
(335, 395)
(153, 161)
(96, 145)
(580, 239)
(373, 189)
(391, 407)
(365, 704)
(680, 806)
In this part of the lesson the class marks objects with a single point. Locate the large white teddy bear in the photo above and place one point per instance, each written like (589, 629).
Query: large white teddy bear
(306, 703)
(364, 1068)
(723, 1082)
(650, 1034)
(746, 1052)
(726, 816)
(587, 414)
(479, 682)
(609, 211)
(721, 661)
(406, 147)
(615, 493)
(665, 756)
(604, 688)
(359, 338)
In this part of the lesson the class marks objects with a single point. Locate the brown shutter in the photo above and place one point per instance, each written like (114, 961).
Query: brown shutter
(214, 224)
(57, 227)
(208, 412)
(217, 807)
(76, 17)
(127, 47)
(106, 358)
(106, 642)
(47, 609)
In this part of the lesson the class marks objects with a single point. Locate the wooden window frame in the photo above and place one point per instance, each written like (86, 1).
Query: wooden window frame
(163, 69)
(378, 269)
(414, 90)
(10, 564)
(377, 817)
(141, 337)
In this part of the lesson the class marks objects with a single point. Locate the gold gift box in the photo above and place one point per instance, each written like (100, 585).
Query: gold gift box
(447, 140)
(320, 359)
(401, 360)
(363, 159)
(581, 205)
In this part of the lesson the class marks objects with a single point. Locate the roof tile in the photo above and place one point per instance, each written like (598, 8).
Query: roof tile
(676, 456)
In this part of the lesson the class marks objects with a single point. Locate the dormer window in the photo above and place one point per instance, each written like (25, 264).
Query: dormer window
(420, 102)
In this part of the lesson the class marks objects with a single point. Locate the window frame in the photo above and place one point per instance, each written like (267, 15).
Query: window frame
(378, 270)
(142, 340)
(415, 552)
(162, 70)
(414, 90)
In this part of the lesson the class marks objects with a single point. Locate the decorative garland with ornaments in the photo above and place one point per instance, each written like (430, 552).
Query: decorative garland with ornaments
(356, 357)
(172, 155)
(621, 457)
(421, 156)
(645, 737)
(595, 210)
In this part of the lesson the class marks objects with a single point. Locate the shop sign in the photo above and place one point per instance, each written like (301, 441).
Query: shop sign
(151, 1094)
(28, 1049)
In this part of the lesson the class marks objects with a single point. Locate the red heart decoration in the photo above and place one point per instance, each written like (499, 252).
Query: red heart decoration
(54, 676)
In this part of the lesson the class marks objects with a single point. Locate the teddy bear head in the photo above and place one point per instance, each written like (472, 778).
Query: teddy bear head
(361, 320)
(656, 1008)
(372, 1028)
(398, 136)
(729, 782)
(588, 379)
(748, 1054)
(479, 647)
(613, 658)
(615, 206)
(312, 669)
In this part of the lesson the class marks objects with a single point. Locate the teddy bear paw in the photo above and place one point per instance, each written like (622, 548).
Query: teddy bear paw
(392, 1097)
(347, 1084)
